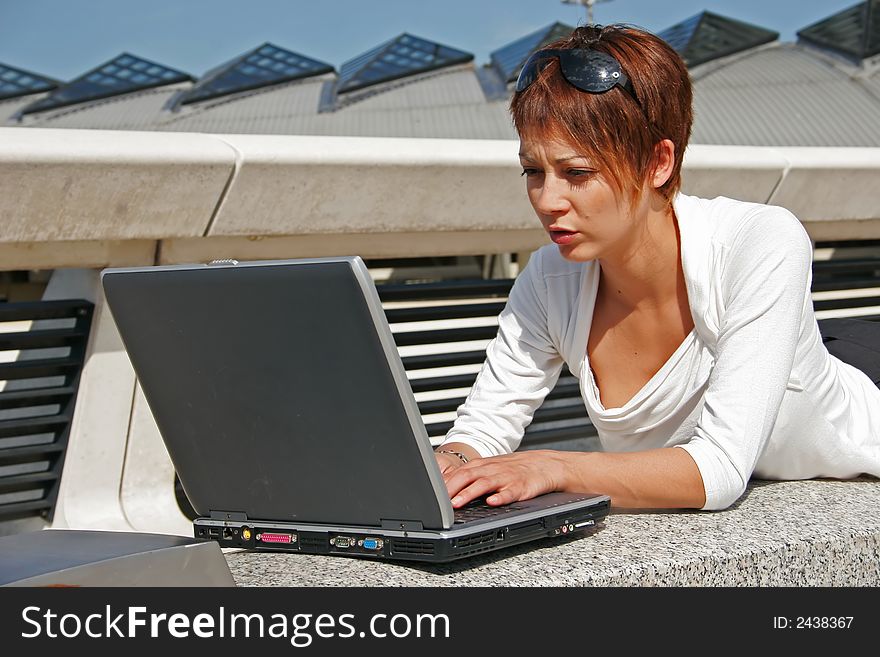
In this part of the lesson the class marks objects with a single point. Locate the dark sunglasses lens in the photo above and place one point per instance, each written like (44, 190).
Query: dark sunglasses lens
(591, 71)
(532, 69)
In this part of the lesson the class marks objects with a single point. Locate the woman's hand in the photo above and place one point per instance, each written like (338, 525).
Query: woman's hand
(448, 459)
(448, 463)
(508, 478)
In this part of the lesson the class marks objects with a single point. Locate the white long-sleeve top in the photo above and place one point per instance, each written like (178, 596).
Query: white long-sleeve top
(751, 390)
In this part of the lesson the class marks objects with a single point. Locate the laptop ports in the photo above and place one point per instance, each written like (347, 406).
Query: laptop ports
(276, 538)
(342, 542)
(371, 543)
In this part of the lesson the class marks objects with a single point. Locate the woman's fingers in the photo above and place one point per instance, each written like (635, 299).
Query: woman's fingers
(504, 479)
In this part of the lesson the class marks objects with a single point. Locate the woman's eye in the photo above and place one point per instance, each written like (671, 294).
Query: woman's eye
(527, 171)
(579, 173)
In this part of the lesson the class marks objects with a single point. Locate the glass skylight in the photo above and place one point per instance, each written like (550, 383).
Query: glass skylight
(15, 82)
(397, 58)
(261, 67)
(122, 75)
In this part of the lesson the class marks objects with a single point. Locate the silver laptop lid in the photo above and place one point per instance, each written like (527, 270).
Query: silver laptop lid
(279, 391)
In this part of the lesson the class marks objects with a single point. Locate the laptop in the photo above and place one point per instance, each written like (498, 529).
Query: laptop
(285, 408)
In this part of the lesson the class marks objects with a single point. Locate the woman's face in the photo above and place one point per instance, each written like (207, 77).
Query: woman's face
(576, 203)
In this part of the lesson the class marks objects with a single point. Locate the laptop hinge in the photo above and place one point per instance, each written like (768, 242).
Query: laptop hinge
(406, 525)
(237, 516)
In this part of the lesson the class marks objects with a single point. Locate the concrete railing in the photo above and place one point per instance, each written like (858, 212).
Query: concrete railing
(92, 198)
(76, 201)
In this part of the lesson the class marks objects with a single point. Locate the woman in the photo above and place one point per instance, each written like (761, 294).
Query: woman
(689, 322)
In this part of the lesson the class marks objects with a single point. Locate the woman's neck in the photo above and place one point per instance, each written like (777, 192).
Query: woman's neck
(647, 271)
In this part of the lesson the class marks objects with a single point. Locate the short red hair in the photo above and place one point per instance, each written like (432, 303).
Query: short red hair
(611, 127)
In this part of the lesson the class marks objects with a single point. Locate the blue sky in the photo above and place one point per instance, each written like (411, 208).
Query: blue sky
(65, 38)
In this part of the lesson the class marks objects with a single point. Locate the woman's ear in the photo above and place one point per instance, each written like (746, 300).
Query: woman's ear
(664, 162)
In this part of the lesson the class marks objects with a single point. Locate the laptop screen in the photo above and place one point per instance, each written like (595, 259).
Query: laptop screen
(271, 385)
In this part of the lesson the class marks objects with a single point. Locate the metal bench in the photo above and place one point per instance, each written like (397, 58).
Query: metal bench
(43, 347)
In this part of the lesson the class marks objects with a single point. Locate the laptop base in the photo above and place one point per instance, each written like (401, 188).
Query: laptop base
(395, 544)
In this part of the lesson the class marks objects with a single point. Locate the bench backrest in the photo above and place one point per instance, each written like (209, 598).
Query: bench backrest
(42, 350)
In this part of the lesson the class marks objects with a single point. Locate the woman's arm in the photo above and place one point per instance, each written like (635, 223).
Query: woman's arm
(765, 294)
(522, 365)
(657, 478)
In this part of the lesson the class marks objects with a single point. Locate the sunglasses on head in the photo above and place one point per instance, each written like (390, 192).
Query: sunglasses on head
(588, 70)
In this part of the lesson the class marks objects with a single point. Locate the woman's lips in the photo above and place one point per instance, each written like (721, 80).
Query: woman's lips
(562, 236)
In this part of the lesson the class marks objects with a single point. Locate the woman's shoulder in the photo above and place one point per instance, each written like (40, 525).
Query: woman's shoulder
(731, 221)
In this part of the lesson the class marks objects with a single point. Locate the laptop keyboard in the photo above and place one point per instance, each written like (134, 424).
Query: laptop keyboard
(478, 509)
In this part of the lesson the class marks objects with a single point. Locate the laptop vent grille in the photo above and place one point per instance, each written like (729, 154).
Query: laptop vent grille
(484, 538)
(411, 546)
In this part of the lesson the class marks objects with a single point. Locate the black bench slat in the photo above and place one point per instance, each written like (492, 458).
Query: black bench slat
(22, 453)
(42, 339)
(433, 313)
(36, 310)
(846, 265)
(467, 289)
(22, 481)
(443, 360)
(21, 509)
(838, 304)
(429, 384)
(832, 285)
(40, 424)
(35, 397)
(411, 338)
(39, 368)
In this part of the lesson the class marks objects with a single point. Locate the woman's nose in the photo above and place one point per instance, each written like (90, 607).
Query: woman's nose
(551, 198)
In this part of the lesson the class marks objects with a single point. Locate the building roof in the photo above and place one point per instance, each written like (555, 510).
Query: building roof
(749, 89)
(707, 36)
(786, 95)
(853, 32)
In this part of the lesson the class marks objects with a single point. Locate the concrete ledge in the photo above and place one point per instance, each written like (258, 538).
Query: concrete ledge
(60, 185)
(75, 197)
(299, 185)
(829, 184)
(804, 533)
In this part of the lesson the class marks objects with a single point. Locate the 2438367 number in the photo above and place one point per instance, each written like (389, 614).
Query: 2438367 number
(823, 622)
(812, 622)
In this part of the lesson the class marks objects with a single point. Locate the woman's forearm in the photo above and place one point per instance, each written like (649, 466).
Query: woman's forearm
(656, 479)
